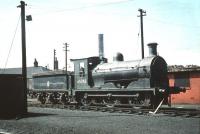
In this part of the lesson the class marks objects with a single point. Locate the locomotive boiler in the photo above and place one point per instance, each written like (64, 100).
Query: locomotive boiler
(145, 73)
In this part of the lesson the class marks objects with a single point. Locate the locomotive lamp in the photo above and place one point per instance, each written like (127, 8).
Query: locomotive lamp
(29, 18)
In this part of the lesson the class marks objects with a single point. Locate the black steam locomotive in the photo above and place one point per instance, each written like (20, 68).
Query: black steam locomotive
(95, 82)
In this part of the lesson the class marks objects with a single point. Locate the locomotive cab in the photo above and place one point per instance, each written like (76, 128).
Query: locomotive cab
(83, 71)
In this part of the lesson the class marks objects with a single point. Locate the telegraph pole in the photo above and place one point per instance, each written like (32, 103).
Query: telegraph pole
(65, 49)
(54, 59)
(142, 13)
(24, 70)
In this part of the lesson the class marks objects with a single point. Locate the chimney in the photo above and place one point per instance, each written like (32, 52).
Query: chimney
(55, 61)
(56, 64)
(101, 48)
(35, 63)
(152, 49)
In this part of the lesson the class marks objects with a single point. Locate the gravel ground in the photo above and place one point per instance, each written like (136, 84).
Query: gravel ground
(57, 121)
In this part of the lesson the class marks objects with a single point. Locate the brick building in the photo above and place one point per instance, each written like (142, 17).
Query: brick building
(188, 77)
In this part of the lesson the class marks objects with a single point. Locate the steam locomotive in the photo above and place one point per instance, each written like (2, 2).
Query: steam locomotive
(94, 81)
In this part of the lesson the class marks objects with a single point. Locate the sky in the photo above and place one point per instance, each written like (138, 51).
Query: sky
(173, 24)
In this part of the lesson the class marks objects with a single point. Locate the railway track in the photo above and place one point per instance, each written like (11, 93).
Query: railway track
(147, 111)
(163, 111)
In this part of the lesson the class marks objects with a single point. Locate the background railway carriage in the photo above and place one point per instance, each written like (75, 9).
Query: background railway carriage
(53, 85)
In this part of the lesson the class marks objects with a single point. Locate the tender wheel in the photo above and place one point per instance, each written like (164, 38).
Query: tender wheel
(64, 99)
(41, 98)
(52, 98)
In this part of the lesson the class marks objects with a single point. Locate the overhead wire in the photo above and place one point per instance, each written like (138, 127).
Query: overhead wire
(84, 7)
(113, 3)
(137, 40)
(12, 42)
(171, 23)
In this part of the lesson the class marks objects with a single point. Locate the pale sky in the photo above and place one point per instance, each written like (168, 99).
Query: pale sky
(173, 24)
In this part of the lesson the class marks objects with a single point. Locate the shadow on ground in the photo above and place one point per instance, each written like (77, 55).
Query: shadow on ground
(31, 115)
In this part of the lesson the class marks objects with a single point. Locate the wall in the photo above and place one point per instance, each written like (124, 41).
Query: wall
(12, 96)
(192, 94)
